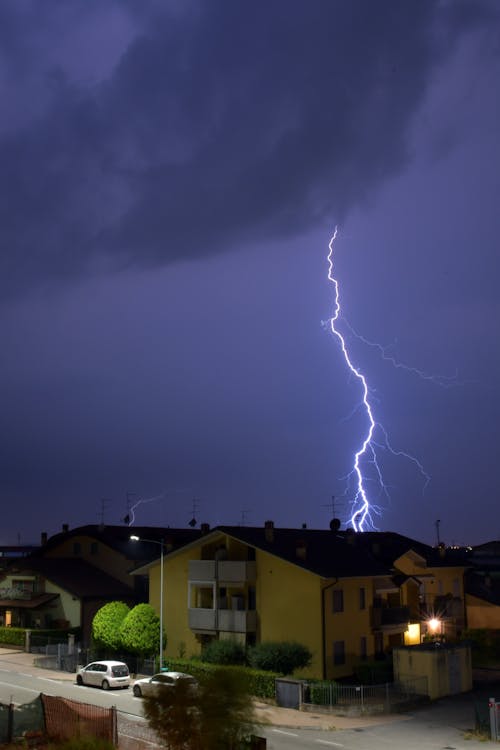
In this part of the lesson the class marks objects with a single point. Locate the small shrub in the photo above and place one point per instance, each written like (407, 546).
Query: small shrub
(106, 625)
(12, 636)
(224, 652)
(284, 657)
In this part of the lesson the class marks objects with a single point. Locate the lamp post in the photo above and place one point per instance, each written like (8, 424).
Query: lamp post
(134, 538)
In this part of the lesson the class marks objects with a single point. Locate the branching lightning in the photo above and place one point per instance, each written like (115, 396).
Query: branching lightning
(130, 517)
(362, 509)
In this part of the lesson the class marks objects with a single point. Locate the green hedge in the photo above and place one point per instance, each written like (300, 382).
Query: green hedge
(261, 684)
(12, 636)
(17, 636)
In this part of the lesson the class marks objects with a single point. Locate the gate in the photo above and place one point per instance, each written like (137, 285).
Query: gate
(289, 693)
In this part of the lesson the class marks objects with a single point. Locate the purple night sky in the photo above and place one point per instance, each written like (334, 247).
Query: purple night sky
(171, 174)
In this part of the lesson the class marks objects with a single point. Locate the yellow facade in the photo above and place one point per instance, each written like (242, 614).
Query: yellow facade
(482, 614)
(291, 603)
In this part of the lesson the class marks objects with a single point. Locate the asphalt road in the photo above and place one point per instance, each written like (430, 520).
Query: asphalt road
(446, 724)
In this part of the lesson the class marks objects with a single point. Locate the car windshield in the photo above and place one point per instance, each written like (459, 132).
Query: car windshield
(119, 670)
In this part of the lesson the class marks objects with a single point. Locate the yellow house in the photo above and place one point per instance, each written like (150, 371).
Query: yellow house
(327, 589)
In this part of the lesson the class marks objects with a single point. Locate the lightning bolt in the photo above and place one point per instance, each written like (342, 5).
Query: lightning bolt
(362, 509)
(130, 518)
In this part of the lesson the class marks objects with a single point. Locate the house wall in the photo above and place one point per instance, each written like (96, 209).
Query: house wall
(348, 626)
(289, 606)
(180, 638)
(481, 614)
(448, 671)
(69, 607)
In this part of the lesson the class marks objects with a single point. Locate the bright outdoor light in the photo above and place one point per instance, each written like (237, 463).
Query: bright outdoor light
(434, 625)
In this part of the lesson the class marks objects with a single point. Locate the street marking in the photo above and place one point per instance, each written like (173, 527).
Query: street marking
(328, 742)
(289, 734)
(18, 687)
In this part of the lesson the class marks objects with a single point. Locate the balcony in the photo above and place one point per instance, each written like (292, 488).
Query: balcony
(223, 571)
(225, 620)
(390, 619)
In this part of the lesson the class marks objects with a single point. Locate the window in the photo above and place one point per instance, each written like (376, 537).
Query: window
(339, 652)
(23, 585)
(94, 548)
(363, 650)
(456, 587)
(362, 598)
(337, 600)
(77, 548)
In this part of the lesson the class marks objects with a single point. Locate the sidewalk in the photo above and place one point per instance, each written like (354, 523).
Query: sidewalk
(14, 660)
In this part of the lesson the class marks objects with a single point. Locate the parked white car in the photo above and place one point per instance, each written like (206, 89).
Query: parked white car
(104, 674)
(150, 685)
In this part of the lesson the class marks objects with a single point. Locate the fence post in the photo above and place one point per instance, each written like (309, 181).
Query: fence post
(10, 723)
(361, 696)
(493, 719)
(27, 641)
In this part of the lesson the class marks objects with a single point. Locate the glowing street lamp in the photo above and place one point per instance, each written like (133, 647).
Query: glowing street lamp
(134, 538)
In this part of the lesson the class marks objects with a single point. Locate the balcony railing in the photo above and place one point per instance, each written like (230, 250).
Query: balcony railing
(390, 618)
(15, 593)
(224, 571)
(222, 620)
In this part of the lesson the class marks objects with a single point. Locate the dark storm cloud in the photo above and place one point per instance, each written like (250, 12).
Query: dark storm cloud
(199, 129)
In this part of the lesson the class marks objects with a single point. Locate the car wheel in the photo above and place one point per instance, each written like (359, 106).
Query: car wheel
(105, 685)
(137, 691)
(79, 680)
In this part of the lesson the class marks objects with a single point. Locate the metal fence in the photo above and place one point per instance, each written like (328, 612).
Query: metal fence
(67, 656)
(388, 695)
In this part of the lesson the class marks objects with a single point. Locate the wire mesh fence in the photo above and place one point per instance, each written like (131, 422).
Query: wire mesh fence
(389, 695)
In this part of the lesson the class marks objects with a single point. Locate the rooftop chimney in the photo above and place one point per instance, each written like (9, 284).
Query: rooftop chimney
(269, 531)
(301, 549)
(65, 528)
(205, 528)
(43, 538)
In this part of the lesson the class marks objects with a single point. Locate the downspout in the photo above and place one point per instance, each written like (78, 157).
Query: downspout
(323, 623)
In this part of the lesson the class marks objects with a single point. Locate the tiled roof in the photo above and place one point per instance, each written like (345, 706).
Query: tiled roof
(323, 552)
(118, 538)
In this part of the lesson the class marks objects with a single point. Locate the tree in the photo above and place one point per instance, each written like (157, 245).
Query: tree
(283, 658)
(172, 713)
(226, 711)
(107, 623)
(218, 715)
(140, 631)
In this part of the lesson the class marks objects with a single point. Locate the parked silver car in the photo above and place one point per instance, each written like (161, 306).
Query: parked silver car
(150, 685)
(104, 674)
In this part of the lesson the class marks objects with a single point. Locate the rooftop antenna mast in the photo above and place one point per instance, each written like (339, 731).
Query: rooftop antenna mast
(331, 505)
(194, 509)
(437, 532)
(128, 499)
(244, 514)
(104, 501)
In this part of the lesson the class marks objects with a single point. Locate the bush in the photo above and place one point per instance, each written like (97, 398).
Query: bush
(12, 636)
(260, 684)
(106, 625)
(283, 658)
(140, 631)
(224, 652)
